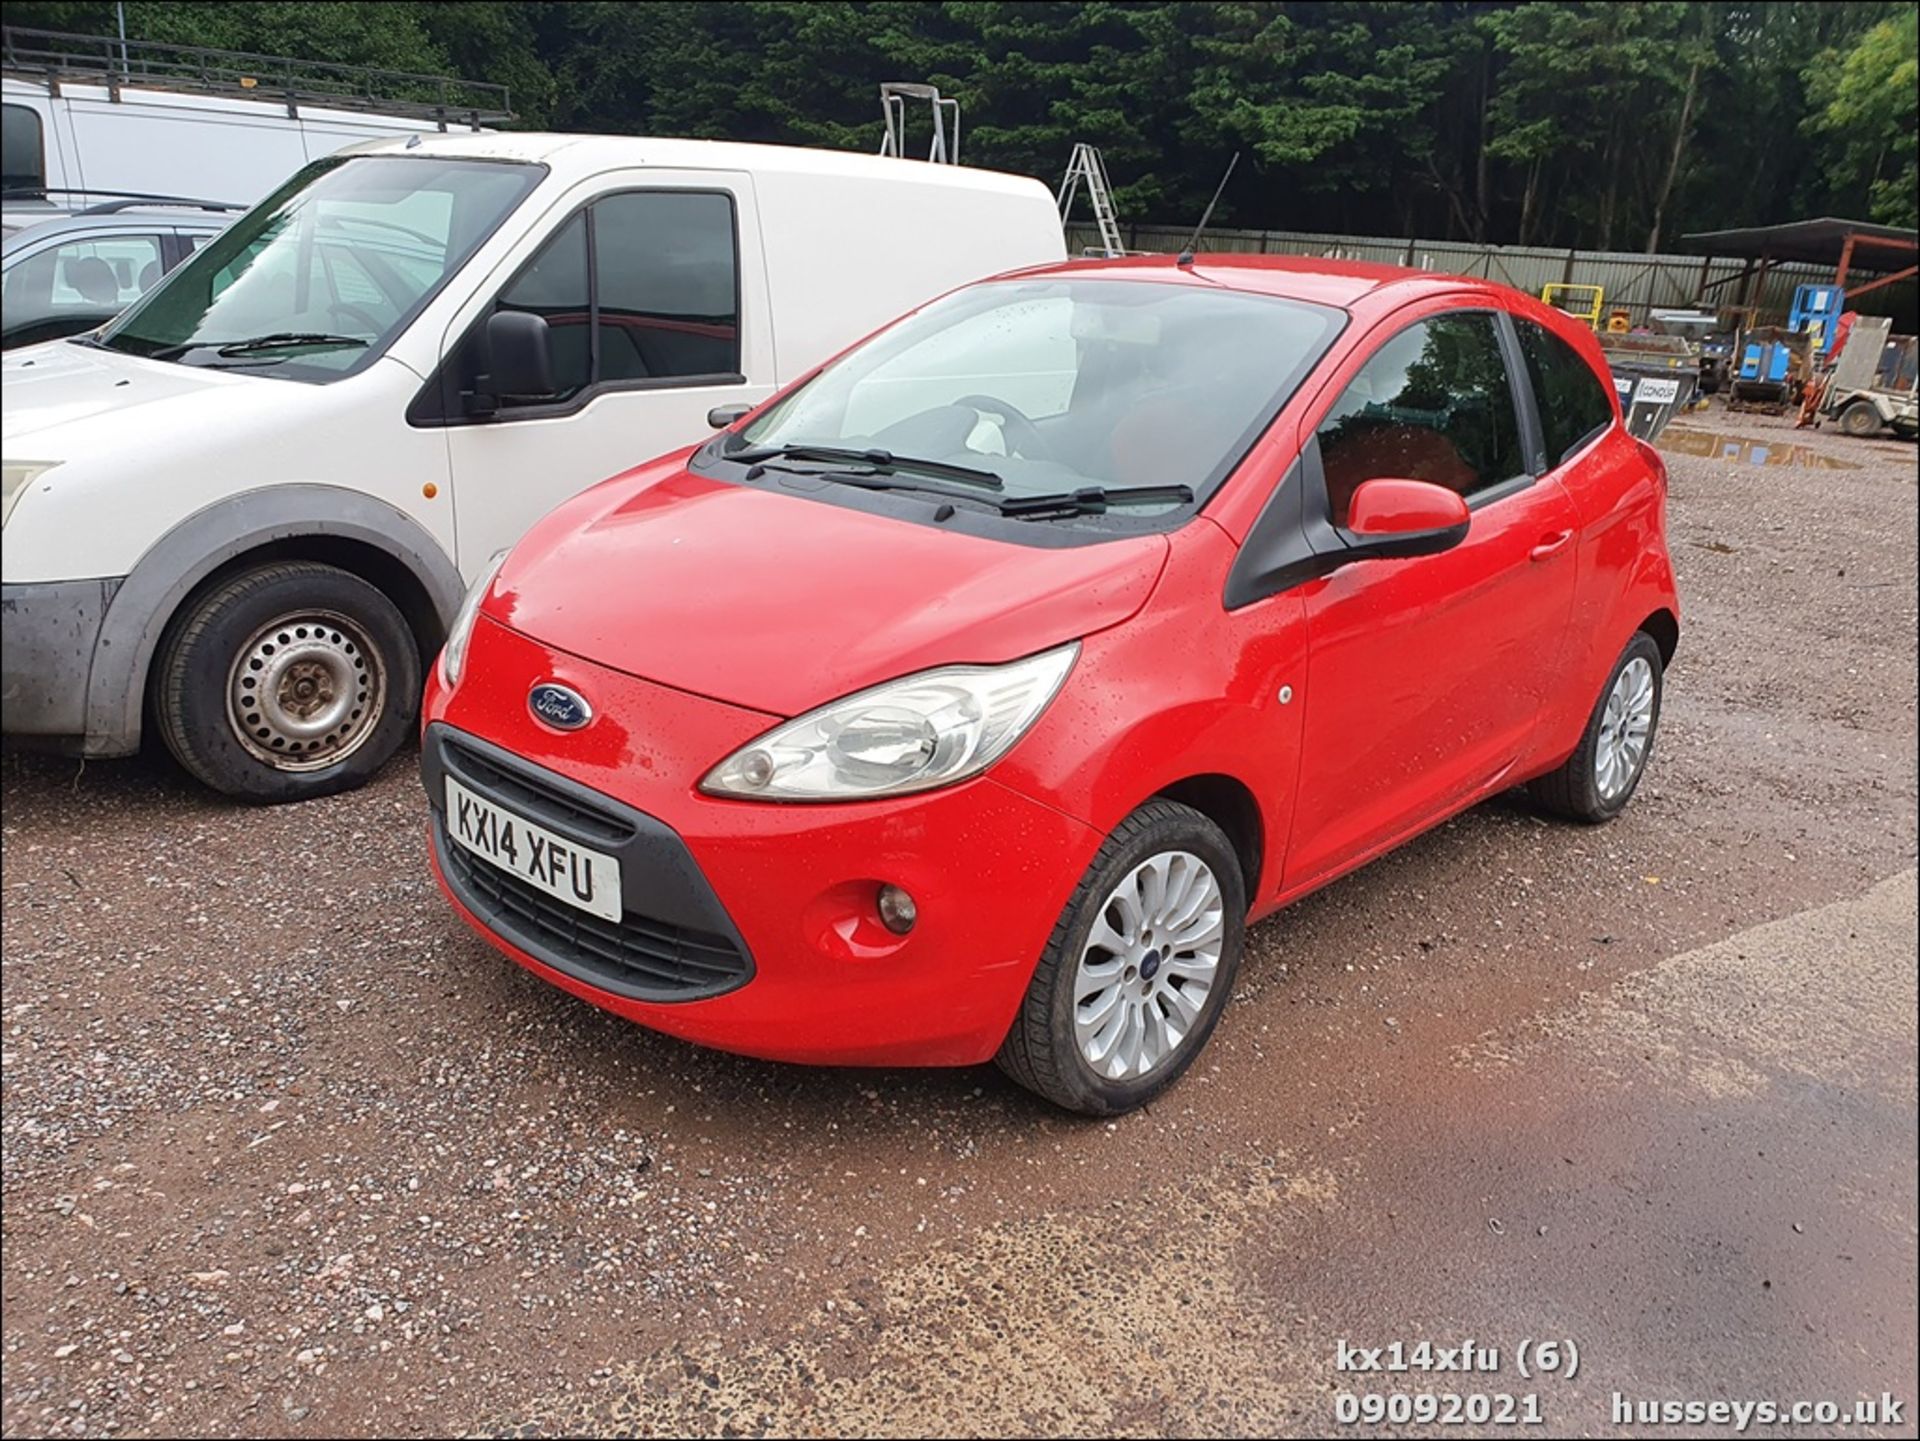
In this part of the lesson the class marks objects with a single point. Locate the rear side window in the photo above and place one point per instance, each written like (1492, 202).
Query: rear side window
(1435, 403)
(1573, 403)
(23, 154)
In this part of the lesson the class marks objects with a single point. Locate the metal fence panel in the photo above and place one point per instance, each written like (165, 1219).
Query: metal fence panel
(1634, 282)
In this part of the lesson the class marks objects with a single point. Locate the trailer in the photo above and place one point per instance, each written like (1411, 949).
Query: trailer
(1872, 386)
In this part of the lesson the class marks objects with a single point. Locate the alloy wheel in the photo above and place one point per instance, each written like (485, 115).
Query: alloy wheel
(1149, 965)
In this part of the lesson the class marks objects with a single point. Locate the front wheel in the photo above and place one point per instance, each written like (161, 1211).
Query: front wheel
(1604, 770)
(289, 681)
(1138, 968)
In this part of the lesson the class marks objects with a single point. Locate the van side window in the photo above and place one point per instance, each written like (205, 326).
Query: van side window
(665, 273)
(1435, 403)
(554, 286)
(23, 152)
(1573, 404)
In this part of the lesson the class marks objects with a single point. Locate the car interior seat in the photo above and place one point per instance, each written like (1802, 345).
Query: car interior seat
(94, 279)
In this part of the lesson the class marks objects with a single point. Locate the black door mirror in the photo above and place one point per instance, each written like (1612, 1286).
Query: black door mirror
(519, 358)
(721, 416)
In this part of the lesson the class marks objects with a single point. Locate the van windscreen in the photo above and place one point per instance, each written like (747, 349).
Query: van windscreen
(318, 279)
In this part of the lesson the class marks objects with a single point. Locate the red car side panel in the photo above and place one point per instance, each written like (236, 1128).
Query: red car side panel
(1618, 487)
(1185, 689)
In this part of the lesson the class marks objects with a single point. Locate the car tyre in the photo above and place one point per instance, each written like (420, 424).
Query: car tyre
(287, 681)
(1860, 418)
(1179, 851)
(1603, 772)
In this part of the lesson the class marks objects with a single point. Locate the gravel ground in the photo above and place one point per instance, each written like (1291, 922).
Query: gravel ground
(286, 1151)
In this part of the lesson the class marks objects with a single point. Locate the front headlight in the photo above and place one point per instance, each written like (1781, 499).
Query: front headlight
(912, 734)
(454, 654)
(15, 477)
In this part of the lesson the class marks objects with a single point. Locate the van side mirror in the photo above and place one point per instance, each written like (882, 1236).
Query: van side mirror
(1394, 518)
(519, 356)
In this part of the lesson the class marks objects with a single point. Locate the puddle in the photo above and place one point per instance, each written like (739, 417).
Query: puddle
(1716, 446)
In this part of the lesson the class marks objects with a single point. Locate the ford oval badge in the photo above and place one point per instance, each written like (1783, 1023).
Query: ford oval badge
(559, 706)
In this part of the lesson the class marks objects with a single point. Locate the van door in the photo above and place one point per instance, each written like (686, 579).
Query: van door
(654, 292)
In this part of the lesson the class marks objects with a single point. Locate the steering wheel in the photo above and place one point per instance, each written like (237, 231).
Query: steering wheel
(1023, 436)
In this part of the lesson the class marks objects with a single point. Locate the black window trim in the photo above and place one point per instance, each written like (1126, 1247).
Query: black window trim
(437, 404)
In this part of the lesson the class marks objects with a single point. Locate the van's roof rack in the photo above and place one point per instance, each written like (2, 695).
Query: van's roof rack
(53, 56)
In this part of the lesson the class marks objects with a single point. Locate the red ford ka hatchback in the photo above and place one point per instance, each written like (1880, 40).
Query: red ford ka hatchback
(970, 697)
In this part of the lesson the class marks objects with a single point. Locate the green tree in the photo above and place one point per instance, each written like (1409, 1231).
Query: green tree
(1865, 117)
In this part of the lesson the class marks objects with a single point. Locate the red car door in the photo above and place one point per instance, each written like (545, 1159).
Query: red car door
(1426, 675)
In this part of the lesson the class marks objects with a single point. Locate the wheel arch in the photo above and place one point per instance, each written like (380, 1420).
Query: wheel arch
(1230, 804)
(1664, 626)
(358, 533)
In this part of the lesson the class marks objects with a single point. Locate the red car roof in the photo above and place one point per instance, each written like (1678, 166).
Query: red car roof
(1297, 277)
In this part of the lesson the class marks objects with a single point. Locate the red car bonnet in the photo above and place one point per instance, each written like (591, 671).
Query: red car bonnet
(753, 595)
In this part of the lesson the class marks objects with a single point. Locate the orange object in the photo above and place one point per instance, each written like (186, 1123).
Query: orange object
(429, 490)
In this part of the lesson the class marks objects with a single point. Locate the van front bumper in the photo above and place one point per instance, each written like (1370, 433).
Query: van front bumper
(47, 636)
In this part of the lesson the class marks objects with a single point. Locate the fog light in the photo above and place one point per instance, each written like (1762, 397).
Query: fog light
(897, 910)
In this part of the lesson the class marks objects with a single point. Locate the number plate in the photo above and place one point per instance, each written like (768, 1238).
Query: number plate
(1657, 392)
(585, 879)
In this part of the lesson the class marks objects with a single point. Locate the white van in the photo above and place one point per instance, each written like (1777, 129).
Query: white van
(248, 507)
(86, 118)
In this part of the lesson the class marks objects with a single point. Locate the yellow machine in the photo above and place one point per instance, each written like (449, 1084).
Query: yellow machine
(1581, 301)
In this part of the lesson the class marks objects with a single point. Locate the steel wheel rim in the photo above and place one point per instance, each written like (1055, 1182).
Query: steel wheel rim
(1149, 966)
(305, 691)
(1626, 726)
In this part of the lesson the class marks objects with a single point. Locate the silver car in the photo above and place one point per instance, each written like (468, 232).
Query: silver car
(61, 274)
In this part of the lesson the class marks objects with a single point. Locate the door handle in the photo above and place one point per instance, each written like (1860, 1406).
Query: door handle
(1550, 544)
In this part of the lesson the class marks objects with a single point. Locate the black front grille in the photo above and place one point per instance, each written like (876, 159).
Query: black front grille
(633, 956)
(534, 799)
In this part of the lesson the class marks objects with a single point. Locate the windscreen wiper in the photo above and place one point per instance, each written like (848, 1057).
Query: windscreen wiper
(1092, 500)
(882, 461)
(288, 340)
(280, 340)
(877, 480)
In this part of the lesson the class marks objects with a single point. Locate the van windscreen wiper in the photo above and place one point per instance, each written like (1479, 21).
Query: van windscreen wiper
(882, 461)
(289, 340)
(1092, 500)
(280, 340)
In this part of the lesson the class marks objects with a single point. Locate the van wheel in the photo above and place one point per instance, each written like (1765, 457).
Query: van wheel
(1860, 418)
(288, 681)
(1604, 770)
(1138, 969)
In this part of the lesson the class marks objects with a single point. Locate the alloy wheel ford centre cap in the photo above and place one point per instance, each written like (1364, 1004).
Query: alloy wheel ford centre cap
(559, 706)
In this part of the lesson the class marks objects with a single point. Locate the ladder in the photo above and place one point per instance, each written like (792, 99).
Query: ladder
(944, 149)
(1086, 165)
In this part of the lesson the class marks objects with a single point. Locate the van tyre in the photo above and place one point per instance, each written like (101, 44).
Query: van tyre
(287, 681)
(1860, 418)
(1604, 770)
(1138, 969)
